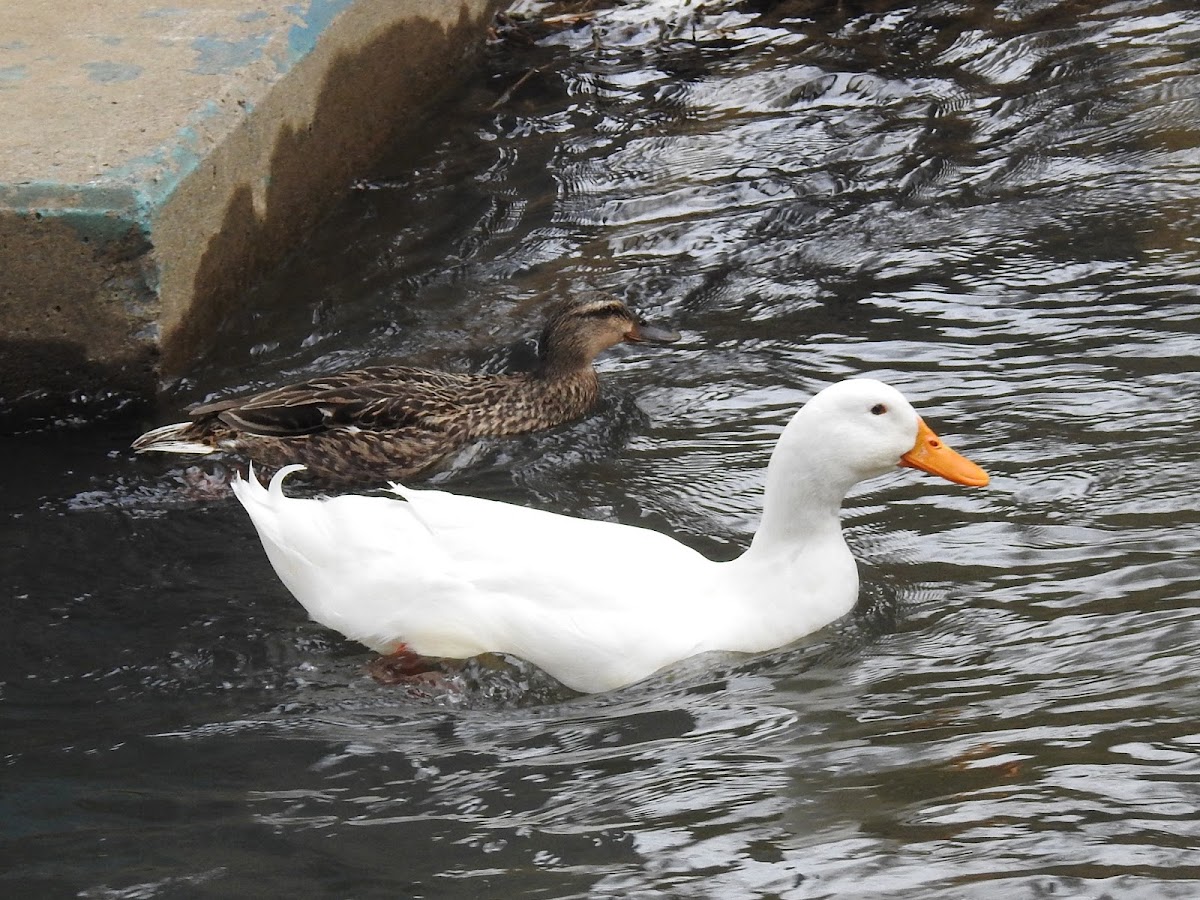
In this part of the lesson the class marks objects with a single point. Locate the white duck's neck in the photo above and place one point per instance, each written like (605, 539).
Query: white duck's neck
(803, 497)
(798, 574)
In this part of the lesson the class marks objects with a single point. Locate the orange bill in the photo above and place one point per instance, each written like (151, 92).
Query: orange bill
(930, 455)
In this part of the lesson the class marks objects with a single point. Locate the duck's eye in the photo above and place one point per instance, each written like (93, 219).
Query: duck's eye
(878, 409)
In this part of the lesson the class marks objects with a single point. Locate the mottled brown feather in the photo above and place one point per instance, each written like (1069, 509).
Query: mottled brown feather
(392, 422)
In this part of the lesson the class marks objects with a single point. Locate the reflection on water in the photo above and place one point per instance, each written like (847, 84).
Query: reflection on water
(993, 206)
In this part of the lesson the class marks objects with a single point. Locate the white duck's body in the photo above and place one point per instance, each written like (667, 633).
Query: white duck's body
(597, 605)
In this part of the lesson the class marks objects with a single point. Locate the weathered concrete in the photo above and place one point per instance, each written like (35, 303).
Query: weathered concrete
(155, 160)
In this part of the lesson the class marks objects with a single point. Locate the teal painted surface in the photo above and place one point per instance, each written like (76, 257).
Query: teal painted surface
(217, 55)
(96, 226)
(52, 198)
(132, 194)
(155, 176)
(106, 72)
(314, 20)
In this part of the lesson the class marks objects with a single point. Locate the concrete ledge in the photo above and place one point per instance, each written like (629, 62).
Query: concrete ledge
(156, 160)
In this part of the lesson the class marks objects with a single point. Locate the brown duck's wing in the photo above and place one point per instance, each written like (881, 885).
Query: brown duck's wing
(305, 390)
(391, 397)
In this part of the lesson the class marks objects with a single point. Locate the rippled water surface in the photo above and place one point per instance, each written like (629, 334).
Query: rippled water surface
(995, 206)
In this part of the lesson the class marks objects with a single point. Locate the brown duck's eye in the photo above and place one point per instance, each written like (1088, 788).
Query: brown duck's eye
(878, 409)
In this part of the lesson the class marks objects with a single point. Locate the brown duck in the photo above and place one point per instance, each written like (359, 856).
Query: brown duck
(388, 423)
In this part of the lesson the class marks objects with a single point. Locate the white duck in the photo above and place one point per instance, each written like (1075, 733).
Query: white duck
(598, 605)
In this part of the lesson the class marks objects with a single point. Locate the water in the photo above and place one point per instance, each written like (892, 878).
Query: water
(994, 206)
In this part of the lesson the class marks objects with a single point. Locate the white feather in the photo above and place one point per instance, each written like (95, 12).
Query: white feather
(165, 439)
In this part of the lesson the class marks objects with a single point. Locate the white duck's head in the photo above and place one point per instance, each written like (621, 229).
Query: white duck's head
(868, 428)
(851, 431)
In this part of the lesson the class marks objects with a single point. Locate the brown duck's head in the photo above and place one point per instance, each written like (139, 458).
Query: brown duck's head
(579, 332)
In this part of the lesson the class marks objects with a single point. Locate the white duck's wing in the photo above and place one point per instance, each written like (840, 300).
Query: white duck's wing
(353, 562)
(487, 532)
(595, 604)
(458, 576)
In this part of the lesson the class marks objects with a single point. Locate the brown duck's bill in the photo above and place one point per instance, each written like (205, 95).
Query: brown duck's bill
(652, 333)
(930, 455)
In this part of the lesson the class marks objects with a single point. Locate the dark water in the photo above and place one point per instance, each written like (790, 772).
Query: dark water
(995, 206)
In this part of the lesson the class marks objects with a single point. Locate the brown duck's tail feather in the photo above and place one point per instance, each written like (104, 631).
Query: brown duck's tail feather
(170, 439)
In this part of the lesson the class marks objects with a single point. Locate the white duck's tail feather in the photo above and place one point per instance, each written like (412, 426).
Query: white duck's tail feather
(256, 498)
(276, 489)
(300, 537)
(167, 439)
(288, 543)
(298, 534)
